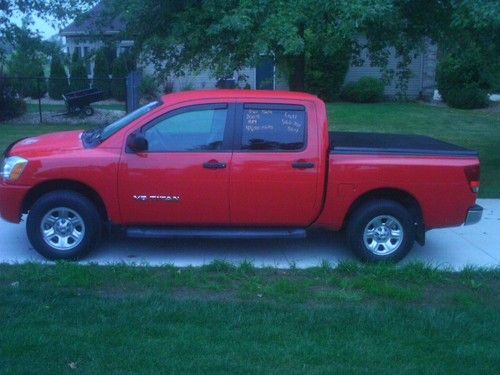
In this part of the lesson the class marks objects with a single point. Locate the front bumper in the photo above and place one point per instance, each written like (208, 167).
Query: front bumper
(11, 201)
(474, 215)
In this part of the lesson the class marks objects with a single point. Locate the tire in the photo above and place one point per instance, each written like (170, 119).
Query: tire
(89, 111)
(381, 231)
(72, 225)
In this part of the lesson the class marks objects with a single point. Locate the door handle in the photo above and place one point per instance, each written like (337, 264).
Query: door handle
(214, 164)
(302, 164)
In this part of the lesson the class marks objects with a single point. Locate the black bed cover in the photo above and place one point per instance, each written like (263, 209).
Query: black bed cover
(393, 144)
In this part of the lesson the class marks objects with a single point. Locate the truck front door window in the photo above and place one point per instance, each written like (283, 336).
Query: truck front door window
(191, 131)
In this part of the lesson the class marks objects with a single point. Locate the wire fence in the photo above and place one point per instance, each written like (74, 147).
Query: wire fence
(36, 100)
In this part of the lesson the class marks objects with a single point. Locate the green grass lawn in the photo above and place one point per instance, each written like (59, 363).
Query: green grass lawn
(221, 319)
(473, 129)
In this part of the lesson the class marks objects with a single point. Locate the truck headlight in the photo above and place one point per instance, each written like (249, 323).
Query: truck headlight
(13, 167)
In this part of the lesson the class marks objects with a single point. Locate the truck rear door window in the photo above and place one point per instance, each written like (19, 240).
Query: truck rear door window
(268, 127)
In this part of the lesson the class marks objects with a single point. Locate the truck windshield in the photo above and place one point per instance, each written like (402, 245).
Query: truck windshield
(112, 128)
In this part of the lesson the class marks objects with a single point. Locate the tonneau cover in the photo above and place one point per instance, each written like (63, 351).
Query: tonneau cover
(393, 144)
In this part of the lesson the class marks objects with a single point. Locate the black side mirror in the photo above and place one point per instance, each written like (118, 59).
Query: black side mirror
(137, 143)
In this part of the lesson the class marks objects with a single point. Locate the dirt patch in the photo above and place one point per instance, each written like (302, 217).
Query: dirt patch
(100, 117)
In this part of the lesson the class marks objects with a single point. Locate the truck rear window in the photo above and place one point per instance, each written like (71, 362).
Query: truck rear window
(273, 127)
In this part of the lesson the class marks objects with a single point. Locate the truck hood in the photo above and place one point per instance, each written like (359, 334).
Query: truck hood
(47, 144)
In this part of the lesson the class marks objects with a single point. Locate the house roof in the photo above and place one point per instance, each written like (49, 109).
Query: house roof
(97, 21)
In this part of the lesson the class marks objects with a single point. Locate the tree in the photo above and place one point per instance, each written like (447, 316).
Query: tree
(225, 36)
(58, 80)
(59, 11)
(78, 73)
(118, 88)
(101, 73)
(25, 64)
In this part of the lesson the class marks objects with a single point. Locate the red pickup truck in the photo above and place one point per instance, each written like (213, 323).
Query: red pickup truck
(236, 163)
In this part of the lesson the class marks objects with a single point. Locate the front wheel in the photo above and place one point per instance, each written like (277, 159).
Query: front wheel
(63, 225)
(381, 230)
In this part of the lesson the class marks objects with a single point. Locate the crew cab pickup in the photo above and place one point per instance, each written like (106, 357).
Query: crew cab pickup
(236, 163)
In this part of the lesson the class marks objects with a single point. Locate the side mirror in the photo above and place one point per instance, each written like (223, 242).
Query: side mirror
(137, 143)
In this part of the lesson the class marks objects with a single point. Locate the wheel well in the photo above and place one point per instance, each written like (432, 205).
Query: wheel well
(46, 187)
(400, 196)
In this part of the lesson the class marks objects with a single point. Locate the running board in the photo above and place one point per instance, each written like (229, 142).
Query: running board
(249, 233)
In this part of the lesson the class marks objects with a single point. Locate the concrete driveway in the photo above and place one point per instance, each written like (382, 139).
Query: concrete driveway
(477, 245)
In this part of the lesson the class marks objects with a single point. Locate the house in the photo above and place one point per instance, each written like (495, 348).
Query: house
(96, 30)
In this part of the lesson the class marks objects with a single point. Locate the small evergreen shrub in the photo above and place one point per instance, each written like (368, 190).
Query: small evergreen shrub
(366, 90)
(101, 79)
(10, 104)
(58, 80)
(38, 89)
(118, 87)
(78, 74)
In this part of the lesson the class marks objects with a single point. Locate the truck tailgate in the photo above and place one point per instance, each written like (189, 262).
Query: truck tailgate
(377, 143)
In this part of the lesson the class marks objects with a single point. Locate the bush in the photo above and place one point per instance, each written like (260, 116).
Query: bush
(366, 90)
(118, 88)
(38, 88)
(325, 75)
(101, 79)
(10, 104)
(148, 88)
(58, 80)
(169, 87)
(463, 81)
(78, 74)
(25, 68)
(467, 97)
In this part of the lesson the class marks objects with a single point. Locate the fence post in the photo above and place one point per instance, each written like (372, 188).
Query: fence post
(39, 99)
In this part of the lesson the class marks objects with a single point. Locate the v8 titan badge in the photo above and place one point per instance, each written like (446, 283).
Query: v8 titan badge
(158, 198)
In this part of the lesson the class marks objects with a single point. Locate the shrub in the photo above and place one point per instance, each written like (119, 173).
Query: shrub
(78, 74)
(325, 75)
(169, 87)
(101, 79)
(38, 89)
(58, 80)
(148, 88)
(118, 88)
(25, 67)
(467, 97)
(462, 81)
(366, 90)
(10, 104)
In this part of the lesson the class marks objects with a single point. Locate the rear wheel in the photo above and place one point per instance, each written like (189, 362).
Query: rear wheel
(63, 225)
(381, 230)
(89, 111)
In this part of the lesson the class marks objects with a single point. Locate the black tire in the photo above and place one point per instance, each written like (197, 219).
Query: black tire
(74, 203)
(89, 111)
(374, 212)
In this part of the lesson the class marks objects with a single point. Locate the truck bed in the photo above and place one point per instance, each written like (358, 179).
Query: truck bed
(393, 144)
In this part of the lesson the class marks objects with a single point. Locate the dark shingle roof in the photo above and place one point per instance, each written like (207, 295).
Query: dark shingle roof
(98, 20)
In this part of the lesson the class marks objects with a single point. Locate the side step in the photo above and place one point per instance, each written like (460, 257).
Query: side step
(180, 232)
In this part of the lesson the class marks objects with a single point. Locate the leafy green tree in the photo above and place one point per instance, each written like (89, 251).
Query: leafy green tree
(119, 74)
(225, 36)
(78, 73)
(58, 80)
(101, 79)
